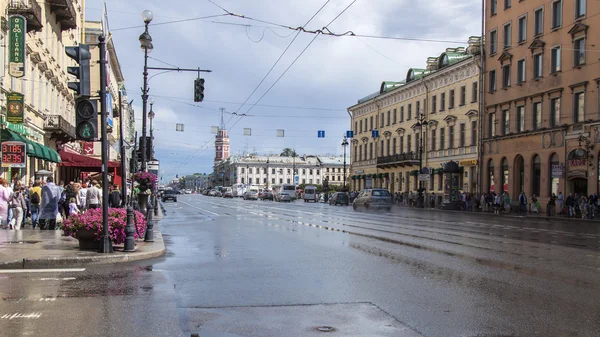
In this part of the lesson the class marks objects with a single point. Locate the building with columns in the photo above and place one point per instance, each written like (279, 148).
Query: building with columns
(542, 103)
(427, 119)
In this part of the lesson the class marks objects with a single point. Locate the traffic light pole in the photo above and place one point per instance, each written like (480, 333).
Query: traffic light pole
(106, 243)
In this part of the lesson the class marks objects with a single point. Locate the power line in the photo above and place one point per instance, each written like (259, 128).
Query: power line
(261, 105)
(171, 22)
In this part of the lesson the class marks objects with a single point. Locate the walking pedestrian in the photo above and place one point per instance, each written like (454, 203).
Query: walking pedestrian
(50, 196)
(35, 199)
(4, 198)
(560, 203)
(115, 197)
(523, 202)
(93, 196)
(17, 204)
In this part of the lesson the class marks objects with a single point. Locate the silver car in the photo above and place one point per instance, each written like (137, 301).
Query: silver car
(373, 198)
(283, 197)
(251, 195)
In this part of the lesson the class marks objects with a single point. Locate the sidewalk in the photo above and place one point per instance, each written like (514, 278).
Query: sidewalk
(28, 248)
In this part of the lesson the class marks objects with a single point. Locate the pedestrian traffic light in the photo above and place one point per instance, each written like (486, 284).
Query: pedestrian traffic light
(81, 54)
(199, 90)
(86, 119)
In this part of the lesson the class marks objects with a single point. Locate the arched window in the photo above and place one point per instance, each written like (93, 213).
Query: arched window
(553, 188)
(504, 175)
(519, 169)
(536, 175)
(490, 176)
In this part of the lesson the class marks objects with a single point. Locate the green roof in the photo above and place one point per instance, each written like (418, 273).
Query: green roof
(450, 58)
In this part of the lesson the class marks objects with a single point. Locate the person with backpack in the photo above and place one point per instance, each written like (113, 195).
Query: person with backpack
(35, 200)
(115, 197)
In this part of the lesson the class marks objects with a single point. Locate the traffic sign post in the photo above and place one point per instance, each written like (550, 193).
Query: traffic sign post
(424, 177)
(349, 134)
(321, 134)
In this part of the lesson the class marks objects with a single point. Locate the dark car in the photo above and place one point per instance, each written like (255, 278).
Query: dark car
(266, 195)
(339, 198)
(169, 195)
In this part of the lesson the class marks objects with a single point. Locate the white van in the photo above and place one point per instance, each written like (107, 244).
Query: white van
(310, 193)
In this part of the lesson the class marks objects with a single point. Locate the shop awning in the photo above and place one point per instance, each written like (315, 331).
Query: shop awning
(414, 173)
(85, 163)
(34, 149)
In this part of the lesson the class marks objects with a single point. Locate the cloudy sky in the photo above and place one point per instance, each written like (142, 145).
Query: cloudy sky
(330, 76)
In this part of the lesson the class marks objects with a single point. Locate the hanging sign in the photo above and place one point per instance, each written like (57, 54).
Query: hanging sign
(14, 107)
(17, 27)
(14, 154)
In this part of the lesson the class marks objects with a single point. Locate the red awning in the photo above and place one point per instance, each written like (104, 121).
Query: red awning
(85, 163)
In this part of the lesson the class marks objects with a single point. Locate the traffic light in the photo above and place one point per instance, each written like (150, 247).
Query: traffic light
(199, 90)
(81, 54)
(86, 119)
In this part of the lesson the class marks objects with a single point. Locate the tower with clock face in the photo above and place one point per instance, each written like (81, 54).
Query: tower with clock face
(221, 146)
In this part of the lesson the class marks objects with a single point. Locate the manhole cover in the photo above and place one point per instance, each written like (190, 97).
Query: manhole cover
(21, 242)
(325, 329)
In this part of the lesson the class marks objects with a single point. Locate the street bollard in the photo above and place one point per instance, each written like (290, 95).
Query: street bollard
(149, 237)
(155, 205)
(129, 232)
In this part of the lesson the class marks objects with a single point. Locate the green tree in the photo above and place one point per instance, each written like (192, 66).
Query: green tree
(287, 152)
(182, 183)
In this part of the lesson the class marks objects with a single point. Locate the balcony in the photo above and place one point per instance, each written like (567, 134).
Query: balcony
(59, 128)
(65, 13)
(30, 10)
(398, 160)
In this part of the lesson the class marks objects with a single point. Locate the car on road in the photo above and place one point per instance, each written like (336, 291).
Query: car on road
(266, 195)
(169, 195)
(373, 198)
(339, 198)
(251, 195)
(283, 197)
(228, 194)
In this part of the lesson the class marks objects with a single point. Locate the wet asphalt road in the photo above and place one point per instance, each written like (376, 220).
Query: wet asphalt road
(254, 268)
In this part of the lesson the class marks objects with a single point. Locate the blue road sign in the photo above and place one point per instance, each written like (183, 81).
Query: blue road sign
(321, 133)
(349, 134)
(375, 133)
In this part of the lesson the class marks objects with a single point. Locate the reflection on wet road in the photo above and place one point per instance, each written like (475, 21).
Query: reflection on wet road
(253, 268)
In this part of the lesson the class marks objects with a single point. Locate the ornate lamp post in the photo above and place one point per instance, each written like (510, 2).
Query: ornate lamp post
(146, 45)
(420, 128)
(345, 144)
(267, 173)
(151, 116)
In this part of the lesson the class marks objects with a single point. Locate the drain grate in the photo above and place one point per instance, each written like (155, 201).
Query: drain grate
(325, 329)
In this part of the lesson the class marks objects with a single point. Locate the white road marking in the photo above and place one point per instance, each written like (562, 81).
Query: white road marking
(202, 209)
(57, 279)
(47, 299)
(16, 271)
(20, 315)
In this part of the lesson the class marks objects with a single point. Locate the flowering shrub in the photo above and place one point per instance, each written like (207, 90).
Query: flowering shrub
(145, 179)
(92, 220)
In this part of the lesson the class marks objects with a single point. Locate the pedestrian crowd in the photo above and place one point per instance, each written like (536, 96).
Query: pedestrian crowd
(47, 203)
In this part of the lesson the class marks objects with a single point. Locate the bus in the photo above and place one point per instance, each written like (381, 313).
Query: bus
(290, 190)
(238, 190)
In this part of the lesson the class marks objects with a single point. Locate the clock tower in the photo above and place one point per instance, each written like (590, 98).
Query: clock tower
(221, 146)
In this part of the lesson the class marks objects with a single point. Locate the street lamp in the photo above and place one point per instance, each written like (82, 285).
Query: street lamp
(345, 144)
(419, 127)
(151, 116)
(267, 173)
(146, 45)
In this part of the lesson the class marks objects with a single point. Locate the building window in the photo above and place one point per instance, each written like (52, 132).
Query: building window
(409, 112)
(506, 76)
(553, 180)
(492, 76)
(474, 93)
(555, 60)
(537, 115)
(461, 136)
(360, 126)
(579, 52)
(520, 118)
(539, 21)
(463, 95)
(492, 125)
(381, 120)
(451, 137)
(370, 150)
(451, 103)
(443, 101)
(381, 149)
(433, 104)
(394, 146)
(522, 29)
(433, 134)
(536, 169)
(473, 133)
(507, 35)
(310, 171)
(243, 181)
(387, 146)
(537, 66)
(250, 170)
(418, 108)
(250, 181)
(493, 7)
(388, 119)
(579, 8)
(303, 171)
(506, 121)
(355, 153)
(579, 107)
(371, 124)
(394, 120)
(507, 4)
(243, 170)
(442, 138)
(555, 112)
(493, 42)
(402, 144)
(520, 71)
(556, 14)
(408, 143)
(401, 114)
(440, 183)
(355, 127)
(288, 180)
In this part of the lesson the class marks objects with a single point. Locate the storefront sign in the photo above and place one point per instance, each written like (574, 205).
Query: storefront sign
(359, 171)
(577, 162)
(88, 148)
(557, 171)
(424, 177)
(14, 154)
(471, 162)
(17, 27)
(14, 107)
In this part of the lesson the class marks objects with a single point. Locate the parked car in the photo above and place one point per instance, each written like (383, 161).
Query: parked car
(251, 195)
(373, 198)
(339, 198)
(266, 195)
(228, 194)
(169, 195)
(283, 197)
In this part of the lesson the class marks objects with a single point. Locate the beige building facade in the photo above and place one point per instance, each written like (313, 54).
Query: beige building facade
(542, 107)
(444, 99)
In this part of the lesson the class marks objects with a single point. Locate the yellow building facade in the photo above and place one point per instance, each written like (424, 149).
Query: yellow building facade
(426, 120)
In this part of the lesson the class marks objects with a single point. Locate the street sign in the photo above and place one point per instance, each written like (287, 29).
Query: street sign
(297, 179)
(214, 129)
(14, 105)
(280, 133)
(321, 134)
(424, 177)
(375, 133)
(17, 29)
(179, 127)
(247, 132)
(349, 134)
